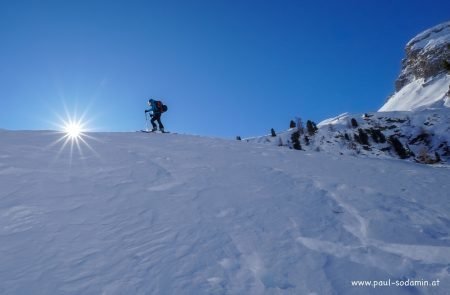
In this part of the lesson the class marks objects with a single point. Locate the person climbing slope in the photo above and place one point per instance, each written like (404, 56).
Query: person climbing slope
(156, 110)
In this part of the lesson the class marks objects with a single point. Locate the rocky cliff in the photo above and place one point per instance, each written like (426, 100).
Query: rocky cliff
(424, 79)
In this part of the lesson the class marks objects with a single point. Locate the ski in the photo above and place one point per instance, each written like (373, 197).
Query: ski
(148, 131)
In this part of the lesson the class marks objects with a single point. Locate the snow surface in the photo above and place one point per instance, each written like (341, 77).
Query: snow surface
(431, 38)
(175, 214)
(420, 94)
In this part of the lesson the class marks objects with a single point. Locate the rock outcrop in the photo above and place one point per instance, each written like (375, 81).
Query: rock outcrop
(427, 55)
(425, 76)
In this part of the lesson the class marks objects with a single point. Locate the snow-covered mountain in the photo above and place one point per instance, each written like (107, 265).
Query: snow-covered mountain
(424, 80)
(413, 124)
(138, 213)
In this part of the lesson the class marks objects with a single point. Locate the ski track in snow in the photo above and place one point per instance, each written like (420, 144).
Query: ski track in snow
(174, 214)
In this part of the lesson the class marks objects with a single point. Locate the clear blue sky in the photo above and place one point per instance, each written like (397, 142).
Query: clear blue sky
(224, 67)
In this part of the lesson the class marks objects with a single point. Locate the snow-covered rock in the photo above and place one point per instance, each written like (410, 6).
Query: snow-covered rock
(424, 136)
(138, 213)
(424, 80)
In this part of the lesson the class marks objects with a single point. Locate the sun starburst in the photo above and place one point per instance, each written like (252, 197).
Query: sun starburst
(74, 132)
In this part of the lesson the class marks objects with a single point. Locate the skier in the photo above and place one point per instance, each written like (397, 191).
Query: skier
(156, 109)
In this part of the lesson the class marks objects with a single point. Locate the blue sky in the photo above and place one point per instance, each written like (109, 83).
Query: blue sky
(224, 68)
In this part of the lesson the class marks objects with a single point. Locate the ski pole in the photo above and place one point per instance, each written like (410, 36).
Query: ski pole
(146, 122)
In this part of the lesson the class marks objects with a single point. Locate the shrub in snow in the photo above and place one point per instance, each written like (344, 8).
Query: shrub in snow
(445, 148)
(381, 136)
(347, 137)
(352, 145)
(238, 138)
(426, 158)
(363, 137)
(438, 158)
(373, 135)
(377, 135)
(354, 123)
(446, 65)
(422, 137)
(398, 147)
(306, 140)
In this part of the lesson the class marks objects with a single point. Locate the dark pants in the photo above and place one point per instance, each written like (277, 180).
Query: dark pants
(157, 117)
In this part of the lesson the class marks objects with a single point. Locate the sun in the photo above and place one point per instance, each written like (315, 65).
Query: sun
(73, 130)
(76, 136)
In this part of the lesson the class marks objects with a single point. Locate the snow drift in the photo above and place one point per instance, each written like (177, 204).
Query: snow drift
(172, 214)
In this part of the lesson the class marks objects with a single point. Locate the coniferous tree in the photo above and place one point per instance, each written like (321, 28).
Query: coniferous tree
(311, 127)
(295, 137)
(238, 138)
(354, 123)
(292, 124)
(272, 132)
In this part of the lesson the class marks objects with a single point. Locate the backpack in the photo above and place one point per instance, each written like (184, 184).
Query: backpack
(161, 107)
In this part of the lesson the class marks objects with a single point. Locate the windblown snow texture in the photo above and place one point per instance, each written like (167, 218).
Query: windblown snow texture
(174, 214)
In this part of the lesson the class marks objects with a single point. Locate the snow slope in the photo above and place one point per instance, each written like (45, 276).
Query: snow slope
(176, 214)
(420, 94)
